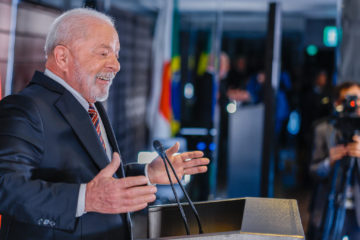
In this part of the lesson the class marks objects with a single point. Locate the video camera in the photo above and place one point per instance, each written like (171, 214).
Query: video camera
(347, 120)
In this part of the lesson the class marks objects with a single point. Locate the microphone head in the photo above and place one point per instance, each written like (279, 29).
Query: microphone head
(158, 147)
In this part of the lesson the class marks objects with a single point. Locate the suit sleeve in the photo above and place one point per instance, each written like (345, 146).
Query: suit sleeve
(320, 163)
(134, 169)
(24, 198)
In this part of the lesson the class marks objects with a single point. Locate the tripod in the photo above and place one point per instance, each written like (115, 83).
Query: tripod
(333, 222)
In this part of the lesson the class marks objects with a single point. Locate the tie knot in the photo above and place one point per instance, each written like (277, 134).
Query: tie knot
(96, 122)
(91, 106)
(92, 112)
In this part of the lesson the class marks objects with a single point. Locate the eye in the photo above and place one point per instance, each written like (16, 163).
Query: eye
(103, 52)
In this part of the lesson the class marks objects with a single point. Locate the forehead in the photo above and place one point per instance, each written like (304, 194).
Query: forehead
(354, 90)
(100, 33)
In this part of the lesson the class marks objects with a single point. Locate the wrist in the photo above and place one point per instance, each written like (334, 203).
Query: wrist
(149, 172)
(88, 207)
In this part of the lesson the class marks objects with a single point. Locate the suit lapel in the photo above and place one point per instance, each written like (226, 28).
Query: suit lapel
(112, 140)
(110, 135)
(109, 131)
(80, 122)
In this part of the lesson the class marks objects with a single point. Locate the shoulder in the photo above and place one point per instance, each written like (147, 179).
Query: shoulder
(19, 108)
(323, 125)
(18, 102)
(20, 119)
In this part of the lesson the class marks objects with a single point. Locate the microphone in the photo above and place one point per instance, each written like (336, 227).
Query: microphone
(159, 148)
(161, 151)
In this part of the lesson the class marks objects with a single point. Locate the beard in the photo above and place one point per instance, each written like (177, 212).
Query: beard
(89, 89)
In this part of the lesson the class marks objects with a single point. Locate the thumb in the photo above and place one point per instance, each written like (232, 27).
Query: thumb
(173, 149)
(112, 167)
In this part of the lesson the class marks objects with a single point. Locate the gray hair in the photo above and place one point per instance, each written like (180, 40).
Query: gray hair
(70, 25)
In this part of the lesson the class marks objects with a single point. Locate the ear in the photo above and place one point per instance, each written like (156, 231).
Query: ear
(62, 57)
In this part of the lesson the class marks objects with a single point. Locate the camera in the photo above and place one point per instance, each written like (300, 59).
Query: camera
(346, 120)
(348, 107)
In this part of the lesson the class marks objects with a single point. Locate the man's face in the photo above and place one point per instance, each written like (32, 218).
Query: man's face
(352, 91)
(94, 63)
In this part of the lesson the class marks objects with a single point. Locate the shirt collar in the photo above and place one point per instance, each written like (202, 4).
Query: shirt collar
(62, 82)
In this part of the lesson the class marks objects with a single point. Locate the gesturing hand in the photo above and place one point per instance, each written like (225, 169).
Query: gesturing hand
(184, 163)
(105, 194)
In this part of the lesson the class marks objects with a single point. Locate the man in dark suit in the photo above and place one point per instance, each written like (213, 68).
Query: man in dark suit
(61, 176)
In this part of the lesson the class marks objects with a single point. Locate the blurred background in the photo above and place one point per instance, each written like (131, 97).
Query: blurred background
(243, 81)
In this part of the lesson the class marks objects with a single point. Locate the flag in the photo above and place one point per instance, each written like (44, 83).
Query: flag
(159, 112)
(0, 99)
(204, 56)
(175, 72)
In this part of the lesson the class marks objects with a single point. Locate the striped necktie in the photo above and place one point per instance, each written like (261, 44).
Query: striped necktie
(96, 122)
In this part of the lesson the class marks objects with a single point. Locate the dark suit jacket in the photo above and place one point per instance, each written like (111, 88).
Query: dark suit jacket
(48, 147)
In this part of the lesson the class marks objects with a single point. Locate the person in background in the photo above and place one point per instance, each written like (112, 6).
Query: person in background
(316, 103)
(317, 100)
(236, 80)
(327, 151)
(61, 175)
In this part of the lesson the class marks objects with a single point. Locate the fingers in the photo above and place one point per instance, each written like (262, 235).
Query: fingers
(196, 162)
(129, 182)
(195, 170)
(135, 208)
(190, 155)
(110, 195)
(353, 149)
(356, 138)
(172, 150)
(137, 195)
(113, 166)
(143, 190)
(337, 153)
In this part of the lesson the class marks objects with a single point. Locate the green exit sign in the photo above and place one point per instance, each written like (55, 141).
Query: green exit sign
(331, 36)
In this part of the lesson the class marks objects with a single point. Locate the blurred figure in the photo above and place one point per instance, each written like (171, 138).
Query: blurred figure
(316, 104)
(223, 101)
(207, 91)
(236, 81)
(327, 151)
(255, 88)
(317, 100)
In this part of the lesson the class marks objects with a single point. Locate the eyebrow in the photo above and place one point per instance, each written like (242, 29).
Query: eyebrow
(108, 47)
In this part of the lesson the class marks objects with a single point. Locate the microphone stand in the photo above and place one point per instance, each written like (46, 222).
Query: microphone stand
(187, 196)
(183, 216)
(159, 148)
(335, 215)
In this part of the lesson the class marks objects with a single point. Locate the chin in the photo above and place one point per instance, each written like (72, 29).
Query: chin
(102, 98)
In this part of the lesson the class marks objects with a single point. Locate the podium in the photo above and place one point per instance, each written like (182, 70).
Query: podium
(240, 218)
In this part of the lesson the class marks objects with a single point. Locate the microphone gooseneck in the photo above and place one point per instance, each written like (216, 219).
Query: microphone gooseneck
(161, 151)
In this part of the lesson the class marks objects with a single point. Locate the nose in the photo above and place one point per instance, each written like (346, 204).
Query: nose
(114, 64)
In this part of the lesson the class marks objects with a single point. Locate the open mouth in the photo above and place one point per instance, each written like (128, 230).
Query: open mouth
(105, 78)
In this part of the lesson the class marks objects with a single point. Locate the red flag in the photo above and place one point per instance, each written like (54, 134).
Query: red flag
(0, 99)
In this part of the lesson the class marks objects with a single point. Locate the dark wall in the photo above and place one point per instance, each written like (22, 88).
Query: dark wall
(128, 96)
